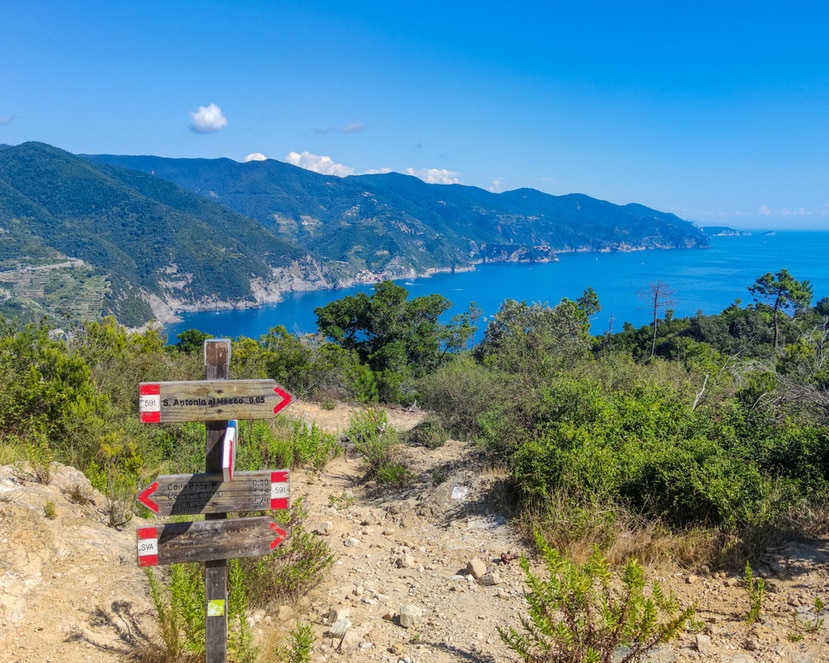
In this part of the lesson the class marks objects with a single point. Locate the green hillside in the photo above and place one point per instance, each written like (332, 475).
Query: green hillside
(89, 236)
(397, 221)
(143, 235)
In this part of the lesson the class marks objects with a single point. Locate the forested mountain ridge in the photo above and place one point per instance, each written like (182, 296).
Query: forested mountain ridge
(139, 237)
(148, 239)
(390, 221)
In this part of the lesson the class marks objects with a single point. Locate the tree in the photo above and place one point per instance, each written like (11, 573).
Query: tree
(783, 292)
(660, 295)
(532, 339)
(395, 336)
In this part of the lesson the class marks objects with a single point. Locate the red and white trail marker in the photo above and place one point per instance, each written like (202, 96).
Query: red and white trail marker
(280, 489)
(147, 546)
(149, 403)
(229, 442)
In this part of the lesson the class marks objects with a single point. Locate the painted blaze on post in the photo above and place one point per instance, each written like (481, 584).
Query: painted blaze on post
(210, 400)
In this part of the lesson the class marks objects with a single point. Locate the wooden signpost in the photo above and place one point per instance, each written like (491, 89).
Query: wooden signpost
(191, 494)
(219, 490)
(205, 540)
(209, 400)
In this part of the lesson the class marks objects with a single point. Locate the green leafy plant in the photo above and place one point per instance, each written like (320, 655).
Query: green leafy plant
(756, 589)
(300, 645)
(342, 501)
(79, 494)
(808, 624)
(577, 616)
(49, 510)
(377, 442)
(296, 566)
(180, 610)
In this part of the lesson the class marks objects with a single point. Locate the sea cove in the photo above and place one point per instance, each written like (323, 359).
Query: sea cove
(706, 280)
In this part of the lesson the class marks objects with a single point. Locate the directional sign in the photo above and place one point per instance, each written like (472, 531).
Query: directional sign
(210, 400)
(190, 494)
(207, 540)
(229, 449)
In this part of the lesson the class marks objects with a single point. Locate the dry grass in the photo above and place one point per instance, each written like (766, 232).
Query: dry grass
(578, 530)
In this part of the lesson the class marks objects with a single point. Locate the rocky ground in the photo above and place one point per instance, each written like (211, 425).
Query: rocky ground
(423, 574)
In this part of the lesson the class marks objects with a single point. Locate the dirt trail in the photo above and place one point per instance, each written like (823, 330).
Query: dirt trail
(70, 589)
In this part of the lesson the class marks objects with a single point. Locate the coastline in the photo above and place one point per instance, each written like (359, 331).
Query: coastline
(291, 280)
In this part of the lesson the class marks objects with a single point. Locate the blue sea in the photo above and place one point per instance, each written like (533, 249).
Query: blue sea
(707, 280)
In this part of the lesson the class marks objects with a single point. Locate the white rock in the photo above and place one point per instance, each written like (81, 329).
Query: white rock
(340, 626)
(410, 615)
(476, 568)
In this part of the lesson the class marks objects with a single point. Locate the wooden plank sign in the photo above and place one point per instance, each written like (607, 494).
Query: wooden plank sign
(191, 494)
(229, 449)
(210, 400)
(207, 540)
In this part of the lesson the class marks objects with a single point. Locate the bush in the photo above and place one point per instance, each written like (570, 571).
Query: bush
(285, 443)
(294, 568)
(461, 392)
(374, 439)
(577, 616)
(430, 434)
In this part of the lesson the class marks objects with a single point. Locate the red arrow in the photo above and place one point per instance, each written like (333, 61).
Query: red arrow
(144, 497)
(286, 399)
(281, 534)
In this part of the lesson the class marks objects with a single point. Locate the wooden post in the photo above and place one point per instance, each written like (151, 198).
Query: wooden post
(217, 362)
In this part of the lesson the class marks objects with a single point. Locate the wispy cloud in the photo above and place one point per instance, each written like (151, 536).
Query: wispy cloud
(351, 128)
(255, 156)
(5, 119)
(319, 164)
(207, 119)
(497, 185)
(434, 175)
(765, 210)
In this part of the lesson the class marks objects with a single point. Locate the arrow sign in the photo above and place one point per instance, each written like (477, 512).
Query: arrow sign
(229, 449)
(190, 494)
(210, 400)
(207, 540)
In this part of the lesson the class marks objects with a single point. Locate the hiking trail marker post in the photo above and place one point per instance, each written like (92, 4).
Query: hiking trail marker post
(219, 403)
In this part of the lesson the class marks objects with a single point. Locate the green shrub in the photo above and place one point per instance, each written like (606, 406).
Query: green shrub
(462, 391)
(294, 568)
(301, 644)
(430, 434)
(180, 611)
(577, 616)
(374, 439)
(756, 590)
(285, 443)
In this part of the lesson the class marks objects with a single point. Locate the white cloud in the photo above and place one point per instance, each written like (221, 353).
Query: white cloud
(378, 171)
(318, 164)
(207, 119)
(5, 119)
(497, 185)
(255, 156)
(434, 175)
(764, 210)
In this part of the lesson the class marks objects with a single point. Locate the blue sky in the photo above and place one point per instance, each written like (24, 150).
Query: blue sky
(718, 112)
